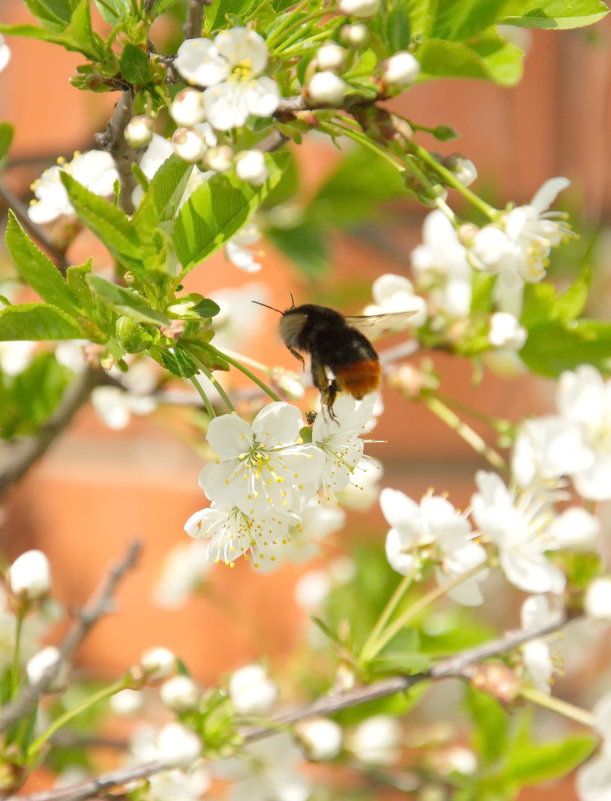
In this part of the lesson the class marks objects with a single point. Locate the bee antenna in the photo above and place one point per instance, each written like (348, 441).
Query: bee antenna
(266, 306)
(292, 301)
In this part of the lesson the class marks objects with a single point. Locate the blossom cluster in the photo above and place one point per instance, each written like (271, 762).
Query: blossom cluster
(270, 490)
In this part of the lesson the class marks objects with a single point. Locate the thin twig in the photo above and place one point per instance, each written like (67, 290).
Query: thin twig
(195, 16)
(113, 140)
(36, 231)
(453, 666)
(99, 605)
(19, 456)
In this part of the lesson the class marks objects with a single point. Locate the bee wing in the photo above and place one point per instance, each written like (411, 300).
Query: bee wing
(376, 325)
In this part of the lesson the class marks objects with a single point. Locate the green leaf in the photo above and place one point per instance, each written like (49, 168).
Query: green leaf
(554, 13)
(399, 18)
(36, 321)
(160, 6)
(114, 11)
(38, 270)
(482, 291)
(564, 344)
(6, 138)
(488, 58)
(530, 763)
(543, 302)
(165, 190)
(217, 210)
(463, 19)
(177, 361)
(111, 225)
(401, 655)
(51, 12)
(218, 10)
(490, 725)
(306, 245)
(135, 66)
(125, 301)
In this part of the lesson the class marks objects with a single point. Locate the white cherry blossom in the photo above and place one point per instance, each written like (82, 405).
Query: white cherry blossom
(538, 665)
(517, 248)
(115, 406)
(238, 314)
(184, 570)
(434, 522)
(584, 399)
(395, 293)
(261, 467)
(95, 170)
(377, 740)
(518, 523)
(5, 53)
(593, 780)
(231, 68)
(252, 692)
(238, 251)
(16, 355)
(339, 441)
(506, 331)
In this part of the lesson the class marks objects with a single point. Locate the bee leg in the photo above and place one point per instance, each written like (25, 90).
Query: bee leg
(297, 355)
(327, 389)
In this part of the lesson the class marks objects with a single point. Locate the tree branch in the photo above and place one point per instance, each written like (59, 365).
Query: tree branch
(113, 140)
(35, 230)
(19, 456)
(195, 16)
(454, 666)
(99, 605)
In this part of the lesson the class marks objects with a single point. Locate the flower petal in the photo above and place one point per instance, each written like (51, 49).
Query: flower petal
(547, 193)
(277, 424)
(199, 62)
(244, 47)
(531, 572)
(229, 435)
(263, 96)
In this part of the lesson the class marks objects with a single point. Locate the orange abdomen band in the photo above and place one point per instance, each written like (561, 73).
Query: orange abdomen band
(359, 378)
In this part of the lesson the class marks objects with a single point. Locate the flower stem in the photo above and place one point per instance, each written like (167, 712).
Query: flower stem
(428, 598)
(203, 396)
(105, 692)
(239, 366)
(557, 705)
(451, 180)
(363, 140)
(497, 423)
(464, 431)
(369, 650)
(16, 651)
(210, 376)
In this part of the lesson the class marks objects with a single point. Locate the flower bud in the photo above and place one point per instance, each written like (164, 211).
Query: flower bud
(251, 167)
(355, 35)
(220, 158)
(377, 740)
(189, 144)
(158, 663)
(358, 8)
(326, 88)
(597, 603)
(320, 738)
(506, 331)
(180, 693)
(139, 131)
(178, 746)
(463, 168)
(489, 245)
(29, 577)
(42, 661)
(330, 56)
(126, 702)
(187, 108)
(401, 69)
(132, 336)
(497, 680)
(251, 691)
(288, 382)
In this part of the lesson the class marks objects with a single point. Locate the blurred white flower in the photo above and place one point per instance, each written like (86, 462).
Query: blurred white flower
(312, 589)
(15, 355)
(597, 601)
(266, 771)
(41, 662)
(180, 693)
(29, 576)
(126, 702)
(537, 661)
(114, 406)
(250, 166)
(359, 8)
(364, 487)
(593, 780)
(377, 740)
(441, 266)
(95, 170)
(183, 571)
(320, 738)
(238, 252)
(395, 293)
(231, 67)
(5, 53)
(158, 663)
(506, 331)
(179, 747)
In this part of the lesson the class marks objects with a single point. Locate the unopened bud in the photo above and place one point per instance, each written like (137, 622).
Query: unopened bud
(178, 746)
(187, 108)
(251, 691)
(355, 35)
(132, 336)
(377, 740)
(251, 167)
(326, 88)
(174, 330)
(288, 382)
(29, 577)
(466, 233)
(126, 702)
(45, 660)
(139, 131)
(320, 738)
(189, 144)
(180, 693)
(330, 56)
(401, 69)
(359, 8)
(220, 158)
(463, 168)
(497, 680)
(158, 663)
